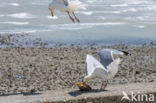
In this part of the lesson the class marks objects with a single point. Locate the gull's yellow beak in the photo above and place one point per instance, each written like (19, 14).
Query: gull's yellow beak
(52, 13)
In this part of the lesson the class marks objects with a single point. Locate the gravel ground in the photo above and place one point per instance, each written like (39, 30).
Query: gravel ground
(32, 69)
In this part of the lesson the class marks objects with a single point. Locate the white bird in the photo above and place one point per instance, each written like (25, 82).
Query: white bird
(105, 69)
(68, 6)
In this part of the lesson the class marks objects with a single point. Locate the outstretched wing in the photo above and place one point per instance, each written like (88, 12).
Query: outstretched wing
(106, 56)
(92, 64)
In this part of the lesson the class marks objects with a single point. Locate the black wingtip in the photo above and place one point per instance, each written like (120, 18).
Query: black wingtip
(125, 53)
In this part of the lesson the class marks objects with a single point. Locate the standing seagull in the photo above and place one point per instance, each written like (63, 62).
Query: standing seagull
(66, 6)
(105, 69)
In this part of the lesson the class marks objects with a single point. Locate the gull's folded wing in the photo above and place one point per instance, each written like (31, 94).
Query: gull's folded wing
(92, 64)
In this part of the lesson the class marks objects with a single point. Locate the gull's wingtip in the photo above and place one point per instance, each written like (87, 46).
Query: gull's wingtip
(115, 51)
(125, 52)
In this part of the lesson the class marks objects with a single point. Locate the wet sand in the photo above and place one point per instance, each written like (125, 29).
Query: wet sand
(33, 69)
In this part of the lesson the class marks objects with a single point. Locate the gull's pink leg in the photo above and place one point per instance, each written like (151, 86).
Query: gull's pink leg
(76, 17)
(103, 86)
(71, 17)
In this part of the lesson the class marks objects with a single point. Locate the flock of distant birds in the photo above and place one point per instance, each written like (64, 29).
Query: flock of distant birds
(108, 66)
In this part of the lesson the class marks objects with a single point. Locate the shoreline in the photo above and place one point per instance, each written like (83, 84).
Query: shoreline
(28, 40)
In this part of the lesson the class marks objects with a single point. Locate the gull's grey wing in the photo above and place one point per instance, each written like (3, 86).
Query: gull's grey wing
(106, 56)
(92, 64)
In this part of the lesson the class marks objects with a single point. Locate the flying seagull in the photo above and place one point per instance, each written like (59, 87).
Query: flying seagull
(68, 6)
(105, 69)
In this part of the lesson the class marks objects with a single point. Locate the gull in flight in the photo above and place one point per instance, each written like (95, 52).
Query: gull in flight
(105, 69)
(68, 6)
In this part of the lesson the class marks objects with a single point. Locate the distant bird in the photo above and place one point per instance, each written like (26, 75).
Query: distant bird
(106, 68)
(68, 6)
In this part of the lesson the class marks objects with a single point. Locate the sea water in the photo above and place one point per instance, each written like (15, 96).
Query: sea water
(103, 21)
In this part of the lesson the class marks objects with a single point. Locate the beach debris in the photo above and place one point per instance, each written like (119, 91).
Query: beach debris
(83, 86)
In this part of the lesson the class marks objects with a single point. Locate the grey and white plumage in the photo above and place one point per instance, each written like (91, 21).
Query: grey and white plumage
(106, 56)
(106, 68)
(69, 6)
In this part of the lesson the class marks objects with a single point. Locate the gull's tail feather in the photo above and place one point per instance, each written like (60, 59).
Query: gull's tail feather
(75, 5)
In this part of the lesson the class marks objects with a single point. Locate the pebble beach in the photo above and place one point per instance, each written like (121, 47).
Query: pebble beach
(33, 69)
(43, 57)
